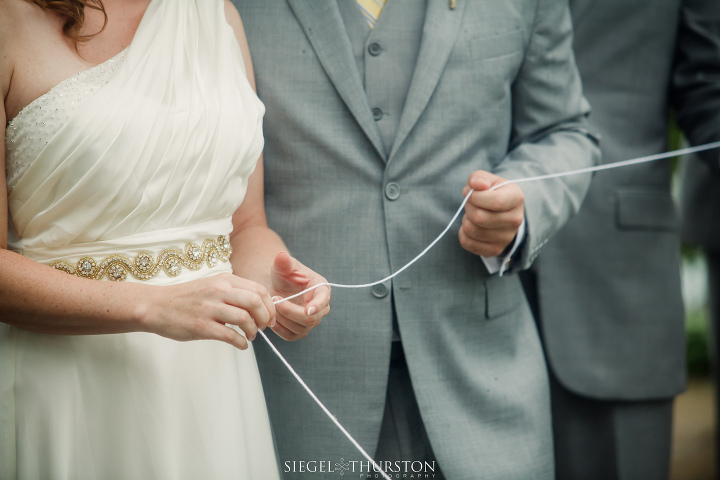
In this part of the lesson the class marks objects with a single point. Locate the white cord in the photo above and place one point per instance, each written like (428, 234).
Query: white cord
(608, 166)
(624, 163)
(635, 161)
(324, 408)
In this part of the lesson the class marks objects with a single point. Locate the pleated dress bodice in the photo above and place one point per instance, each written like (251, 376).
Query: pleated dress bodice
(150, 149)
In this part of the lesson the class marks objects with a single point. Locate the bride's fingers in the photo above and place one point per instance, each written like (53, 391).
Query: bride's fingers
(282, 332)
(298, 314)
(301, 329)
(252, 304)
(239, 317)
(294, 318)
(287, 273)
(261, 291)
(218, 331)
(318, 299)
(283, 264)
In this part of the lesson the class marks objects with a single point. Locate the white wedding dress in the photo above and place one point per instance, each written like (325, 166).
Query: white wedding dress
(131, 171)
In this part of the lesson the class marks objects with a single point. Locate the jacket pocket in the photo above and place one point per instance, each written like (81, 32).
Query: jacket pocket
(497, 46)
(645, 208)
(502, 295)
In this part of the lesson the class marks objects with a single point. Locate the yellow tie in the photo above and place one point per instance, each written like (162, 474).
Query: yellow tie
(371, 10)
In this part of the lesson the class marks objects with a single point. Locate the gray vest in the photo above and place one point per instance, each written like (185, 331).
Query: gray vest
(397, 35)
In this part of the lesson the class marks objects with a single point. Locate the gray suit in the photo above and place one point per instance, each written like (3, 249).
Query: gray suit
(608, 285)
(494, 86)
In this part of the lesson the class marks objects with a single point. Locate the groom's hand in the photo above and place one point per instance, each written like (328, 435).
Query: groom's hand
(492, 218)
(295, 318)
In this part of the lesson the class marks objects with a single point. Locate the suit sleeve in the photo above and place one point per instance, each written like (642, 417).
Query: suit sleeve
(695, 94)
(550, 132)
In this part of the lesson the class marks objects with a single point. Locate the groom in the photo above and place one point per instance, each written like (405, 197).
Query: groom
(376, 120)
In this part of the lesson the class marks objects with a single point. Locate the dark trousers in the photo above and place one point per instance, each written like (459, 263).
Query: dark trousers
(606, 439)
(402, 436)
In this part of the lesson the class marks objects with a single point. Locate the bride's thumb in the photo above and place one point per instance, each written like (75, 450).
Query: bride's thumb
(283, 264)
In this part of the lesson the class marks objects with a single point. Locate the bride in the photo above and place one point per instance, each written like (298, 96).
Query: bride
(134, 192)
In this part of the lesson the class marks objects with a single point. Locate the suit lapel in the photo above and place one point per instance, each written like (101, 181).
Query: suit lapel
(325, 29)
(439, 34)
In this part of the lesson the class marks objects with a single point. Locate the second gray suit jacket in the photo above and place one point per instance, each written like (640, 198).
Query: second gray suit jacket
(609, 282)
(495, 87)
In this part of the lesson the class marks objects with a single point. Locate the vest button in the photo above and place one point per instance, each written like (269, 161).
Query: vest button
(392, 191)
(374, 49)
(377, 114)
(380, 290)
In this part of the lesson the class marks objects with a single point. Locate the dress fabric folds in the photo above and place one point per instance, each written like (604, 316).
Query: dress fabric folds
(149, 151)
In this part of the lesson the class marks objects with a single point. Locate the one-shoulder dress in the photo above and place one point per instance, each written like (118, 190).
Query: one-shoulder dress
(131, 171)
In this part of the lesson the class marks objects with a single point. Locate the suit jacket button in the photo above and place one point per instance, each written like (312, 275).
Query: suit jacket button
(392, 191)
(374, 49)
(377, 114)
(380, 290)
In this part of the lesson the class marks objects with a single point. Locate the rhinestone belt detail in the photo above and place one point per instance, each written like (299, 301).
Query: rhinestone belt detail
(144, 266)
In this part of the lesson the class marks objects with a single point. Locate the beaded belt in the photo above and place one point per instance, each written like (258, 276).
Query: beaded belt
(144, 266)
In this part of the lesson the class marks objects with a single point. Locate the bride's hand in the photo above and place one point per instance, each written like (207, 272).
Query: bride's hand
(200, 310)
(295, 318)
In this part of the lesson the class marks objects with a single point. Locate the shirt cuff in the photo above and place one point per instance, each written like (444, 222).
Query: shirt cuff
(502, 262)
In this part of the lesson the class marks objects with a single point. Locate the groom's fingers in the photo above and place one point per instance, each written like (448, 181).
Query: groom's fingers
(502, 235)
(477, 247)
(503, 199)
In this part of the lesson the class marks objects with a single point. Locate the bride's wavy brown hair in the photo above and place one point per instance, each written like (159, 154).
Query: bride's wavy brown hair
(74, 13)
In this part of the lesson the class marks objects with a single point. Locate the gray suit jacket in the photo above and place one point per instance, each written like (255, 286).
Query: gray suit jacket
(609, 287)
(495, 87)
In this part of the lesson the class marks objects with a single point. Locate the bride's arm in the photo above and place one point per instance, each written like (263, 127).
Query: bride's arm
(38, 298)
(41, 299)
(260, 254)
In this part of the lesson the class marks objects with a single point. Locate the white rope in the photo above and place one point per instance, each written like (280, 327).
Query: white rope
(625, 163)
(608, 166)
(324, 408)
(365, 285)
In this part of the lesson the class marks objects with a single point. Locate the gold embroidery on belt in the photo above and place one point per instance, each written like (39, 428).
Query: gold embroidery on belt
(144, 266)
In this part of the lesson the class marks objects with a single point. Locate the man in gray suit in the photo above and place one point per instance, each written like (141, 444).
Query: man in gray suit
(607, 296)
(371, 135)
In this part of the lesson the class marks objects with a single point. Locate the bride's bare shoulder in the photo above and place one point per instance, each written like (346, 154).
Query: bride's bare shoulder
(13, 10)
(10, 37)
(16, 14)
(20, 23)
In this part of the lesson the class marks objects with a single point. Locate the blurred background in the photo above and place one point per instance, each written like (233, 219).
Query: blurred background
(694, 422)
(694, 433)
